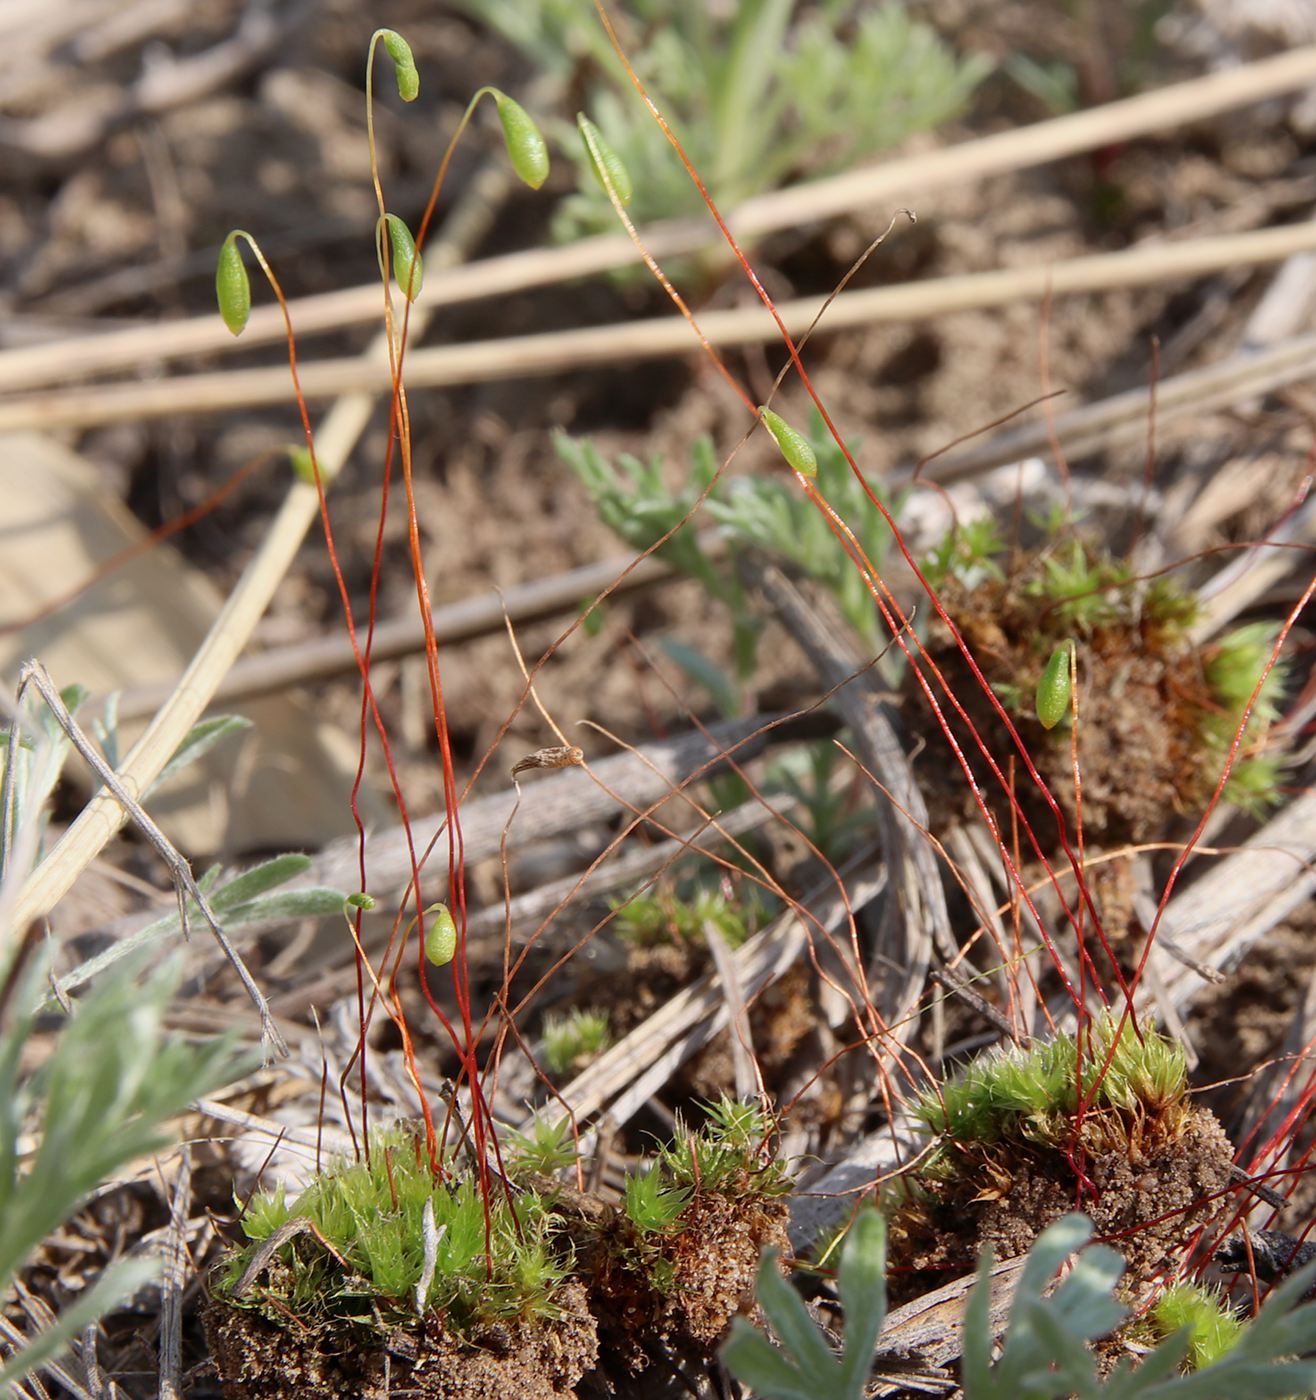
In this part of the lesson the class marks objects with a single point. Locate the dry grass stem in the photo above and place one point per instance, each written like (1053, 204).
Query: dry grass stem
(902, 179)
(553, 352)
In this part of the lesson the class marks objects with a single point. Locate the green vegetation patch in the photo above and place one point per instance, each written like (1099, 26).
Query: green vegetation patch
(1157, 711)
(1034, 1093)
(363, 1257)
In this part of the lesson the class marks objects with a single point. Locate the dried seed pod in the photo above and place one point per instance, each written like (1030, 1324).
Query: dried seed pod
(794, 445)
(1055, 686)
(525, 143)
(404, 65)
(407, 266)
(559, 756)
(440, 936)
(613, 175)
(232, 285)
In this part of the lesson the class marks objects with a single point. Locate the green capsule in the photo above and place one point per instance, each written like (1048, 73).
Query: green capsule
(794, 445)
(525, 144)
(440, 936)
(1055, 686)
(362, 901)
(303, 468)
(404, 65)
(232, 286)
(405, 258)
(607, 164)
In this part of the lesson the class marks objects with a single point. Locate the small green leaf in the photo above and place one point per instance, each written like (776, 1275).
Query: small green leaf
(794, 445)
(407, 266)
(705, 672)
(863, 1294)
(310, 902)
(268, 875)
(404, 65)
(612, 174)
(525, 143)
(359, 901)
(239, 902)
(74, 697)
(106, 729)
(801, 1337)
(232, 286)
(977, 1332)
(753, 1360)
(201, 738)
(441, 936)
(1054, 687)
(593, 621)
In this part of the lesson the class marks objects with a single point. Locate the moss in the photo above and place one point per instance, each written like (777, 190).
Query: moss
(1156, 712)
(573, 1040)
(363, 1253)
(679, 1261)
(1213, 1328)
(1018, 1145)
(543, 1359)
(1034, 1093)
(331, 1296)
(324, 1297)
(654, 918)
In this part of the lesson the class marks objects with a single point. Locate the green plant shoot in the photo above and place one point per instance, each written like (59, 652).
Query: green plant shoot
(794, 445)
(440, 936)
(612, 174)
(526, 147)
(1055, 686)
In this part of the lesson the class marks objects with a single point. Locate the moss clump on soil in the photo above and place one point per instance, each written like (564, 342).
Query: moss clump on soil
(331, 1295)
(1018, 1145)
(662, 939)
(333, 1291)
(677, 1262)
(1157, 713)
(658, 918)
(260, 1359)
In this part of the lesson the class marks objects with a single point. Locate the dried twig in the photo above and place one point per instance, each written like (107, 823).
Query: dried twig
(865, 188)
(624, 1077)
(631, 867)
(1221, 914)
(274, 1241)
(43, 1318)
(552, 352)
(918, 915)
(176, 1263)
(35, 674)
